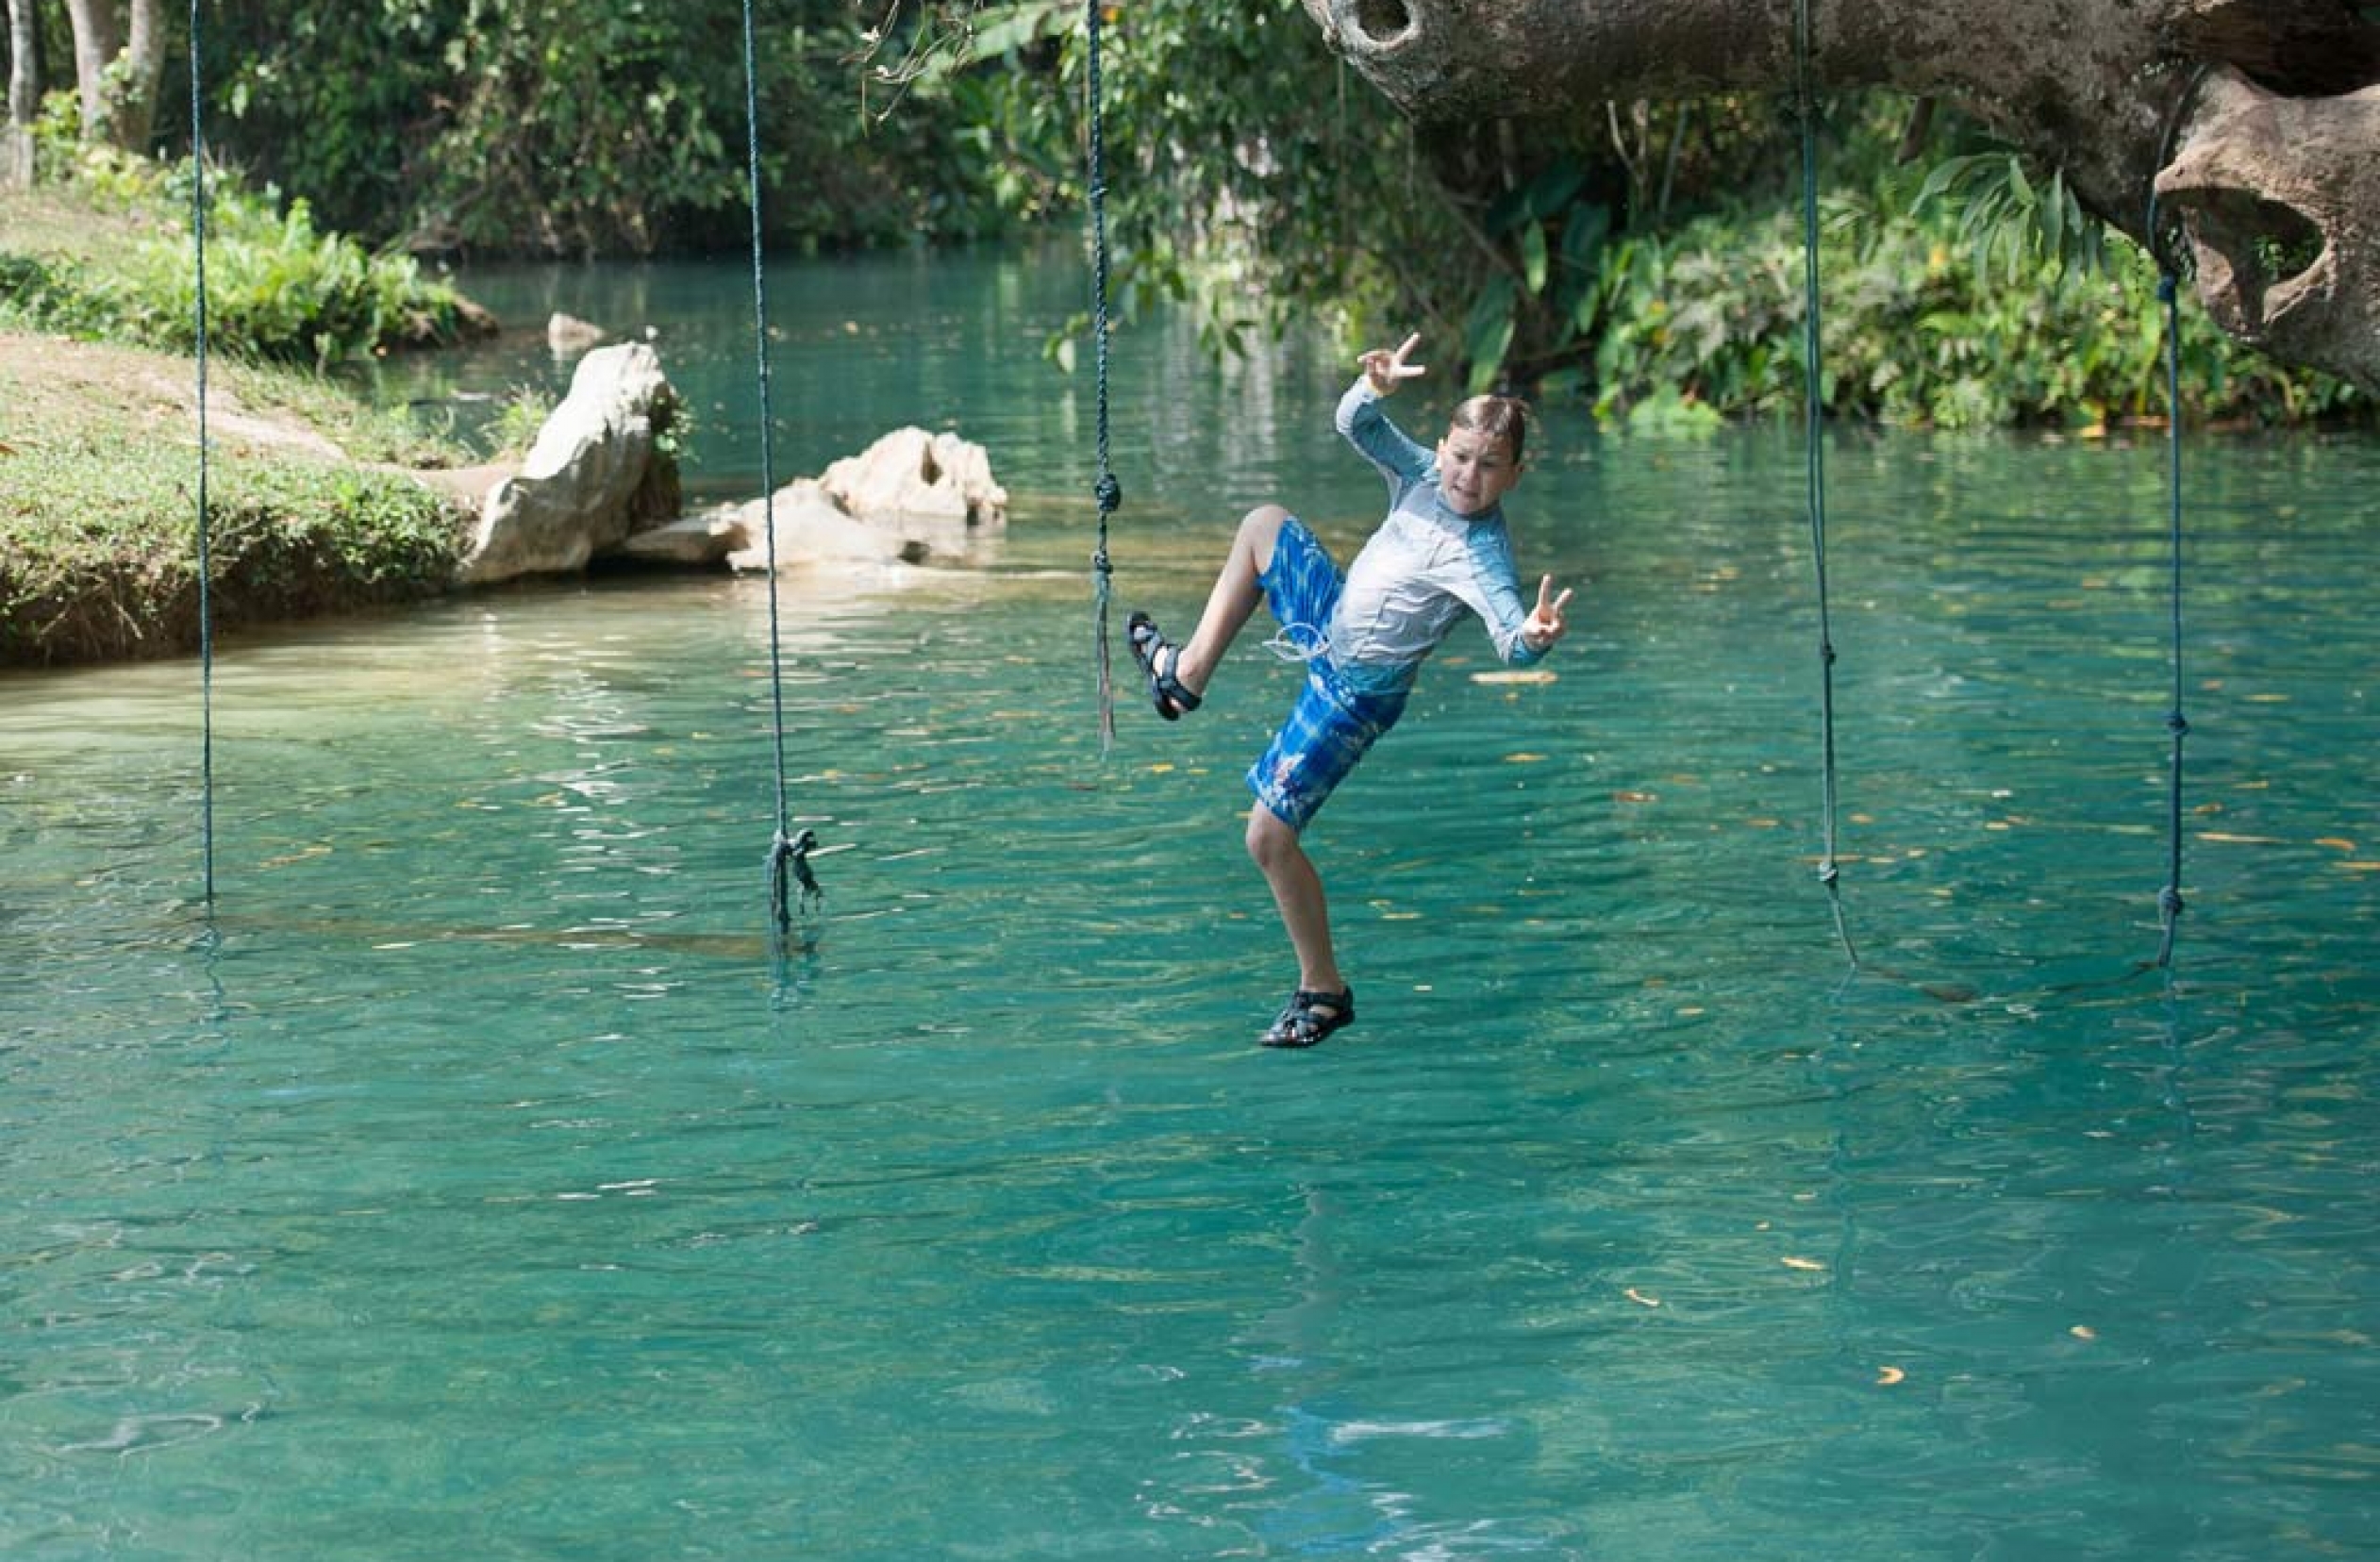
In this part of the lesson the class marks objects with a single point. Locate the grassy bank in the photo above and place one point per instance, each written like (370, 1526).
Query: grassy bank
(316, 503)
(98, 508)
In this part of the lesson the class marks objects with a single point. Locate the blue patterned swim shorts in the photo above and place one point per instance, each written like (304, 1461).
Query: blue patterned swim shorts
(1331, 726)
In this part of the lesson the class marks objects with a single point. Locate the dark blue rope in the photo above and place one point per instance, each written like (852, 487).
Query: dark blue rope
(788, 855)
(206, 558)
(1814, 405)
(2169, 293)
(2169, 898)
(1106, 490)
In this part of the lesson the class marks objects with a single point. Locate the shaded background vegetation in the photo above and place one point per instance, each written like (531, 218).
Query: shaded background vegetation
(1643, 256)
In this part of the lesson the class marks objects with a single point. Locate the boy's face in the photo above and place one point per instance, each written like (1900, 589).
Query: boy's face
(1474, 470)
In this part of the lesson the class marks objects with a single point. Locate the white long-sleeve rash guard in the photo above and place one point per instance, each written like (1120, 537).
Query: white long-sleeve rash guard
(1421, 568)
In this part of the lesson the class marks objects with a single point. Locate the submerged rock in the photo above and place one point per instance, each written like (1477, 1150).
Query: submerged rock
(568, 335)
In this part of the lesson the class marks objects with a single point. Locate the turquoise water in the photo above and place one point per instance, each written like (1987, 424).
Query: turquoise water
(478, 1182)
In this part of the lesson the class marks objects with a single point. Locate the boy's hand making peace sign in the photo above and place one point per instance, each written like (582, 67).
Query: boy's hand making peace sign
(1386, 367)
(1545, 623)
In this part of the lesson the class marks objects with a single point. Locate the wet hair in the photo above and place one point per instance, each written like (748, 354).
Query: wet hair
(1505, 418)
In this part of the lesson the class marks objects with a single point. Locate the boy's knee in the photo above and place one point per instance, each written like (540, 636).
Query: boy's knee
(1258, 530)
(1271, 841)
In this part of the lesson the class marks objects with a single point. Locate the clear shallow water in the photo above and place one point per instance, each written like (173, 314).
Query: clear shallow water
(478, 1183)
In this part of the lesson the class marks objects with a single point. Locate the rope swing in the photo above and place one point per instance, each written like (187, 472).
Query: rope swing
(206, 558)
(788, 853)
(2168, 899)
(1106, 490)
(2169, 294)
(1829, 872)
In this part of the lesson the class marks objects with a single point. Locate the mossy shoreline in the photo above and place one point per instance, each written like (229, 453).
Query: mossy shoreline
(99, 513)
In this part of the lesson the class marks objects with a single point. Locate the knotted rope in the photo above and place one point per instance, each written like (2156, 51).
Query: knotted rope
(788, 853)
(1814, 408)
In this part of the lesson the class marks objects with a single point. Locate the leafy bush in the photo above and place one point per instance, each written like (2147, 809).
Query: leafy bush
(276, 286)
(1916, 334)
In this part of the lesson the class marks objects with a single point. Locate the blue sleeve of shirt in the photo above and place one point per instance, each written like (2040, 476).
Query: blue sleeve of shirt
(1366, 426)
(1500, 579)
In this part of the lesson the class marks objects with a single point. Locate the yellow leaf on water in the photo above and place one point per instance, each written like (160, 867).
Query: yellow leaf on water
(2224, 838)
(2334, 842)
(1628, 796)
(1525, 758)
(1161, 767)
(2083, 1331)
(1640, 1298)
(1810, 1264)
(1516, 675)
(1888, 1376)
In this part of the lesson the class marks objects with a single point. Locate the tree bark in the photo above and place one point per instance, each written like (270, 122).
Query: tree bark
(25, 93)
(97, 41)
(133, 106)
(2251, 124)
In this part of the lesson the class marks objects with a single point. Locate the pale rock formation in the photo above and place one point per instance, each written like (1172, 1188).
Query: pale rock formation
(593, 477)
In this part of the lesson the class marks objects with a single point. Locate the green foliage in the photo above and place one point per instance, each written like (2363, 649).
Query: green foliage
(1608, 250)
(2014, 226)
(1913, 333)
(276, 286)
(1249, 173)
(518, 419)
(590, 126)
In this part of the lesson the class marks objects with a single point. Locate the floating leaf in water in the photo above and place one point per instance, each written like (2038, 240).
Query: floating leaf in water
(1629, 795)
(1525, 758)
(2083, 1331)
(1516, 675)
(1811, 1265)
(1888, 1376)
(1640, 1298)
(2335, 842)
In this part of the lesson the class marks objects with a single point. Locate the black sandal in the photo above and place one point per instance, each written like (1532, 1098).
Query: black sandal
(1172, 697)
(1308, 1017)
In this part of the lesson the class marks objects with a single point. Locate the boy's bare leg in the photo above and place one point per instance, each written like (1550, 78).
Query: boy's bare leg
(1297, 889)
(1233, 601)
